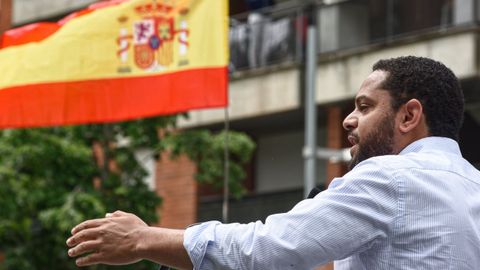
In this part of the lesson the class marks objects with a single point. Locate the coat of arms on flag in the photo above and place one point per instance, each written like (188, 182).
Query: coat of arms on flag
(159, 36)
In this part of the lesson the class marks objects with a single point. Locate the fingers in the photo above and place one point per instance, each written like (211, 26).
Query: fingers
(87, 224)
(82, 236)
(93, 258)
(84, 247)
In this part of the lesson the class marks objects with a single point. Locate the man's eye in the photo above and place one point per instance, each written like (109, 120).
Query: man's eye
(363, 107)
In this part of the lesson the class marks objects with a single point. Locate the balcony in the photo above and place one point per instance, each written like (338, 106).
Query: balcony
(267, 50)
(275, 36)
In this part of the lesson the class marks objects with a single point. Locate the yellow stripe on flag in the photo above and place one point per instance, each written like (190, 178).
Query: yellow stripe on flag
(132, 39)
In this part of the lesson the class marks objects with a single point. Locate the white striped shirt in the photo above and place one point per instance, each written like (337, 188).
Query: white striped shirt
(416, 210)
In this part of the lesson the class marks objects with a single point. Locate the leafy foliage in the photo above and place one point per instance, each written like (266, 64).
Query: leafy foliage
(207, 150)
(50, 181)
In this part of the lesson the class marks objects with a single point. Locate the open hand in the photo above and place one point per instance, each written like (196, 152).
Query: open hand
(110, 240)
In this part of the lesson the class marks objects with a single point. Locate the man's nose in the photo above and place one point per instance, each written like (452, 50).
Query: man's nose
(350, 122)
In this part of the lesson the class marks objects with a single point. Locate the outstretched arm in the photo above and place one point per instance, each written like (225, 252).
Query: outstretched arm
(123, 238)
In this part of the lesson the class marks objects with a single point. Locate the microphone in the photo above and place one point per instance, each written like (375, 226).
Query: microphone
(313, 192)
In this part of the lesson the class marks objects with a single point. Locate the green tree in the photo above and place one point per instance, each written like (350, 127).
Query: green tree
(50, 181)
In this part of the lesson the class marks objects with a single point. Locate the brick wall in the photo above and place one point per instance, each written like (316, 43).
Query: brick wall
(176, 185)
(336, 139)
(5, 15)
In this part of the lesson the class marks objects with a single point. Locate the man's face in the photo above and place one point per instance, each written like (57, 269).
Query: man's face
(371, 125)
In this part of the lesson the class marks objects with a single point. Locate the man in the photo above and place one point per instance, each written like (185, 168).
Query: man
(410, 200)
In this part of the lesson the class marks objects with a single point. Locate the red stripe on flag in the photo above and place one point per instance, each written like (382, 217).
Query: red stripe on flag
(110, 100)
(28, 33)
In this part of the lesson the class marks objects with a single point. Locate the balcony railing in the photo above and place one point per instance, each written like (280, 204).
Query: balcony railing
(276, 35)
(267, 37)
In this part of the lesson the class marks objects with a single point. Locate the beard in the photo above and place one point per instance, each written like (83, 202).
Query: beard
(379, 142)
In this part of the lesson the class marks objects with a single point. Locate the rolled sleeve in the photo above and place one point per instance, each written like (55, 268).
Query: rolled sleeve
(356, 211)
(196, 240)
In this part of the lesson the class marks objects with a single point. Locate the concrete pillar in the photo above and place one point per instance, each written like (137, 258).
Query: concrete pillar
(463, 11)
(5, 15)
(176, 184)
(342, 26)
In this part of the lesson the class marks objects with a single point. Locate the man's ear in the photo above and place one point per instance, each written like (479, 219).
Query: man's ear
(411, 115)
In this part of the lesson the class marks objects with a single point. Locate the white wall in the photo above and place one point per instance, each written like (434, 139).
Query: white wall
(340, 80)
(254, 96)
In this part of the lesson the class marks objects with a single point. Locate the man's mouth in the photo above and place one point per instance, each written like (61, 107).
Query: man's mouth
(353, 139)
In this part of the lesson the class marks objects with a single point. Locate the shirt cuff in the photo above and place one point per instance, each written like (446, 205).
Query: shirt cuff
(196, 240)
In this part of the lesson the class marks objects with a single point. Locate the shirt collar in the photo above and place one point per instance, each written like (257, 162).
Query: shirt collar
(433, 143)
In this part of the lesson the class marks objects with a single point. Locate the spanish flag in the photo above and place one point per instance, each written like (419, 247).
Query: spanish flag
(116, 60)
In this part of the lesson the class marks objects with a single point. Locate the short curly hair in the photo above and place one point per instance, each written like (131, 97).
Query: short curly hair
(433, 84)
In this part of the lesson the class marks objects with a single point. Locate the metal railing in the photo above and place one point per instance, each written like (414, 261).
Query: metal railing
(277, 35)
(266, 37)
